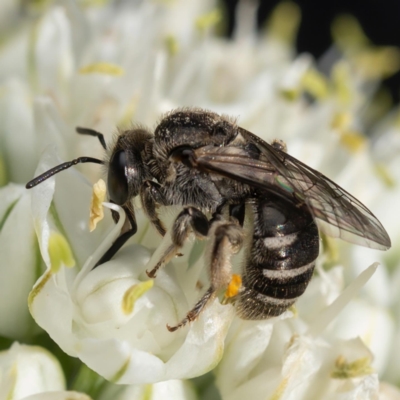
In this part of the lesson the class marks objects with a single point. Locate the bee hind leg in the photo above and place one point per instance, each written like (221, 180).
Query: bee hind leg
(226, 239)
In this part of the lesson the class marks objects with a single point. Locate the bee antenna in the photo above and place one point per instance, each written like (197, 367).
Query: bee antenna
(59, 168)
(92, 132)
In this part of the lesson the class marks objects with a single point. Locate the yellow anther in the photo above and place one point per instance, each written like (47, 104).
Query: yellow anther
(341, 83)
(94, 3)
(315, 83)
(208, 20)
(60, 252)
(133, 294)
(96, 206)
(102, 68)
(290, 94)
(347, 33)
(284, 22)
(378, 62)
(37, 5)
(172, 45)
(353, 140)
(345, 370)
(341, 120)
(385, 175)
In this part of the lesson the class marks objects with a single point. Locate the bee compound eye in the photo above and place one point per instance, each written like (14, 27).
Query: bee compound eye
(117, 183)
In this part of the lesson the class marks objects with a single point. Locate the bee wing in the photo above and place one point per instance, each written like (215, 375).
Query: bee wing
(337, 212)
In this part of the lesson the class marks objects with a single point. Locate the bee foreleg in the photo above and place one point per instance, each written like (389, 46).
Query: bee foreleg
(188, 220)
(151, 198)
(226, 239)
(128, 230)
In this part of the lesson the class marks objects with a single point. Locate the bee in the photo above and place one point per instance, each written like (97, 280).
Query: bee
(220, 172)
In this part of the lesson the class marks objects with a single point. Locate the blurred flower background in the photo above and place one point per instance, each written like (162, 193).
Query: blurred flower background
(101, 334)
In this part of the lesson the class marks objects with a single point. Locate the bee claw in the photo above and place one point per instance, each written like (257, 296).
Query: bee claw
(172, 328)
(152, 273)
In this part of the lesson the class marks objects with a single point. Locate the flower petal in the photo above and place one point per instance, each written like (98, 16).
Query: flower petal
(19, 262)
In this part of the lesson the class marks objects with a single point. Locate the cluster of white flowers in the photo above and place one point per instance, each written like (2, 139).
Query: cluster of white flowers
(103, 64)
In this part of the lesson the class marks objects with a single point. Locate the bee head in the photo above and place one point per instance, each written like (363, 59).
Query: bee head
(127, 169)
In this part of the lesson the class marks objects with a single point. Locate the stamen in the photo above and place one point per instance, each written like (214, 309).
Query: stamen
(96, 206)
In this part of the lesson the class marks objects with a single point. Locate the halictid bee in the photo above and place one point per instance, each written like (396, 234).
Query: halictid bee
(219, 172)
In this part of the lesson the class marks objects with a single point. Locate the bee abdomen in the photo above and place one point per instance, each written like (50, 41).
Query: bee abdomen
(273, 293)
(277, 272)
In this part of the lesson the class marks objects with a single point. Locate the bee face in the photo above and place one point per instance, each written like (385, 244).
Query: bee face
(126, 167)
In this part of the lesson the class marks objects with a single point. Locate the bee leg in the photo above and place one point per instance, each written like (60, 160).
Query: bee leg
(128, 230)
(188, 220)
(226, 239)
(237, 211)
(279, 144)
(151, 197)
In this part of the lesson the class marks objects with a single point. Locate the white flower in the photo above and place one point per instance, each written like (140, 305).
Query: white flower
(27, 370)
(113, 317)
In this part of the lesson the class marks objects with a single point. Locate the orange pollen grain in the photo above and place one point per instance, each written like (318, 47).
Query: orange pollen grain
(234, 286)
